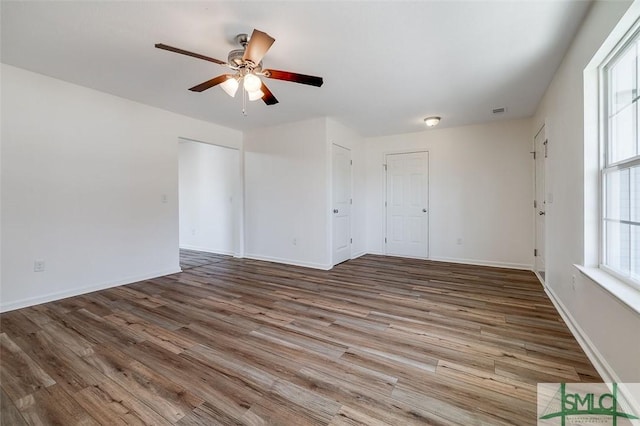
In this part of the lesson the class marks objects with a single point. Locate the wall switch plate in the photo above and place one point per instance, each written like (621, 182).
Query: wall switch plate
(38, 266)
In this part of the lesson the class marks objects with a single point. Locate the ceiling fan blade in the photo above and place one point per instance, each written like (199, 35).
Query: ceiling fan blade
(294, 77)
(186, 52)
(258, 45)
(210, 83)
(268, 97)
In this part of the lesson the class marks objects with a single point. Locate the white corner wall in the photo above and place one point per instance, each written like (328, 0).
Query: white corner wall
(480, 191)
(210, 188)
(84, 179)
(608, 328)
(286, 203)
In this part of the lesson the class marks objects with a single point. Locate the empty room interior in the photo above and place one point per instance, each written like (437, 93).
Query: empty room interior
(319, 212)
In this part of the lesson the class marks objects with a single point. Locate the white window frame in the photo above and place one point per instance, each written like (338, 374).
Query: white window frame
(603, 101)
(627, 294)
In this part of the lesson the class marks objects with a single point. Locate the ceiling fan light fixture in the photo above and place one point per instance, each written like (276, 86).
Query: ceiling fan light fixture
(230, 86)
(255, 95)
(431, 121)
(247, 69)
(252, 83)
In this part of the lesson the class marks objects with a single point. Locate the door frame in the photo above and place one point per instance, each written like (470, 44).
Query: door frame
(384, 199)
(540, 205)
(330, 202)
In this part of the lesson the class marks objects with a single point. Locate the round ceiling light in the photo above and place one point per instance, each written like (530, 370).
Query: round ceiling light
(431, 121)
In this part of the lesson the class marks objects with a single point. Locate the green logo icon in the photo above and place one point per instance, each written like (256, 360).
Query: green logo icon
(584, 405)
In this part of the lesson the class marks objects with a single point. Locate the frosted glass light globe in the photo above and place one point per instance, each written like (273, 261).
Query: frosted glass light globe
(252, 83)
(254, 96)
(230, 86)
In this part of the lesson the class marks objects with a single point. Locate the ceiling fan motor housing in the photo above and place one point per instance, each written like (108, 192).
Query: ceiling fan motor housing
(235, 57)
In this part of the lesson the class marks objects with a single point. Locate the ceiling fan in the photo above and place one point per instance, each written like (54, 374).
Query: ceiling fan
(247, 66)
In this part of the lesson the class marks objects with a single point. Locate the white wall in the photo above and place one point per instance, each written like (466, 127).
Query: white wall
(610, 328)
(339, 134)
(210, 188)
(288, 192)
(480, 190)
(286, 205)
(83, 180)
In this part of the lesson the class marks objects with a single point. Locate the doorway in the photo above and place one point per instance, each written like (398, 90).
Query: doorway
(341, 204)
(210, 188)
(539, 203)
(407, 204)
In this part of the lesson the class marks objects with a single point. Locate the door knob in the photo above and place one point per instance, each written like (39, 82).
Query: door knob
(424, 210)
(541, 213)
(335, 210)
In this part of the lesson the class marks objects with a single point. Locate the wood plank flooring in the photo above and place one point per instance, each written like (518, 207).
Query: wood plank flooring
(192, 259)
(377, 340)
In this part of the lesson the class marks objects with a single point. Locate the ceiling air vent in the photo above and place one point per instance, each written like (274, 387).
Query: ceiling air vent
(499, 110)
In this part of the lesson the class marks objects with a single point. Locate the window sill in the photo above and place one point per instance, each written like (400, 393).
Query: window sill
(621, 290)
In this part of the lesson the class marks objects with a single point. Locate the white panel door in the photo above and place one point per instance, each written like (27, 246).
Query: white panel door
(341, 204)
(540, 205)
(407, 209)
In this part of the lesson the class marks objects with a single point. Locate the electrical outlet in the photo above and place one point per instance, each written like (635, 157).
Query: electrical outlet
(459, 241)
(164, 198)
(294, 241)
(573, 282)
(38, 266)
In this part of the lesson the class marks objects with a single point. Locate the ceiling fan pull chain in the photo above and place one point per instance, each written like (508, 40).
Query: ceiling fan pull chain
(244, 102)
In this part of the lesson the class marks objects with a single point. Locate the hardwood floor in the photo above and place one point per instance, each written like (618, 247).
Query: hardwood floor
(192, 259)
(377, 340)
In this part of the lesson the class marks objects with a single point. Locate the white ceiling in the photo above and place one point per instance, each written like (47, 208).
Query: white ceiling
(386, 64)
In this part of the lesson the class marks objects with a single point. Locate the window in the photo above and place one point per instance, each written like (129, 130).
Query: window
(620, 171)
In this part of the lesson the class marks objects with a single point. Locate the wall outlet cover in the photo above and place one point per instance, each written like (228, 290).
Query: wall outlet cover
(38, 266)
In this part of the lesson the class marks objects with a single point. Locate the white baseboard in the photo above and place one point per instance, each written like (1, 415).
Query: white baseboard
(207, 250)
(357, 255)
(507, 265)
(31, 301)
(324, 267)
